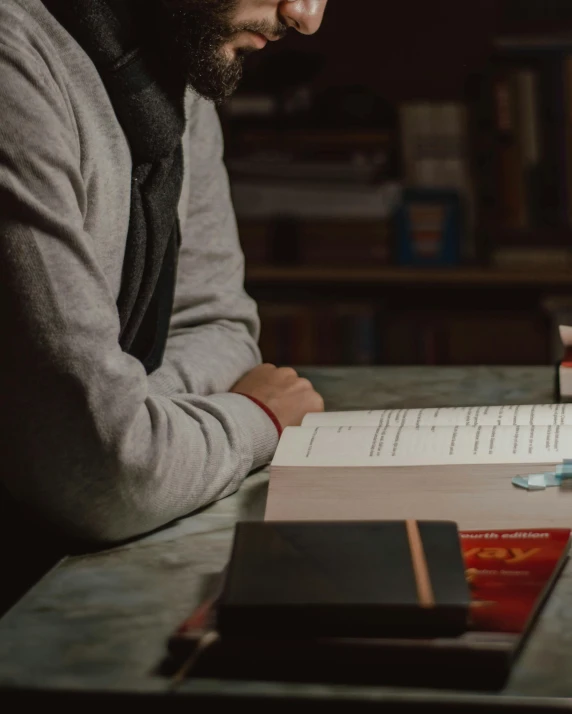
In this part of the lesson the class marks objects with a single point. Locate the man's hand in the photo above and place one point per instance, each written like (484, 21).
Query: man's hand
(287, 395)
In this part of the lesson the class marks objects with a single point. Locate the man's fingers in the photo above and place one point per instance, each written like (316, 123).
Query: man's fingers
(287, 373)
(304, 383)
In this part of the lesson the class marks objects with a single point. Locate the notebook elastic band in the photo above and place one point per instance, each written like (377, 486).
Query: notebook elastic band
(420, 569)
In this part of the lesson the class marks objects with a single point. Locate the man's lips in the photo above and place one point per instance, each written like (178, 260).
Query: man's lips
(259, 40)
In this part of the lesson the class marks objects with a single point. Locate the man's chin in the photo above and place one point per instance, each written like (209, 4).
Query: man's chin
(217, 82)
(228, 53)
(193, 37)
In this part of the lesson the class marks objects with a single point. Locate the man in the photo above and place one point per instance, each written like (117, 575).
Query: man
(128, 398)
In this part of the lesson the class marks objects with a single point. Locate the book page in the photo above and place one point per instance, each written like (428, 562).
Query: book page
(516, 415)
(386, 445)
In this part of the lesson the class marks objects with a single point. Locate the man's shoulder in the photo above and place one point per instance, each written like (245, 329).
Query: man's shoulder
(31, 87)
(34, 50)
(21, 29)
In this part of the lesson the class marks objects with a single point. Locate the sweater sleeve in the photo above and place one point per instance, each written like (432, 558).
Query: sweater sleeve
(215, 327)
(85, 438)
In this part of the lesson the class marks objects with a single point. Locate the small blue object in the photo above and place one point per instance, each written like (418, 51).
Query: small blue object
(548, 479)
(565, 470)
(536, 482)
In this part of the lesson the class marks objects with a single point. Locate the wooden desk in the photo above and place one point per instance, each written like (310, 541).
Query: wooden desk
(98, 624)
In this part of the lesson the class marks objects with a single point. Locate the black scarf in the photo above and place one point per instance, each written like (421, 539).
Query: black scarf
(150, 110)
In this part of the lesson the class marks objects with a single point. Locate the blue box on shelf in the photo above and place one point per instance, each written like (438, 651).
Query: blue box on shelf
(429, 228)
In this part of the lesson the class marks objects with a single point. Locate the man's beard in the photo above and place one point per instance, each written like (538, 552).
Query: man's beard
(190, 36)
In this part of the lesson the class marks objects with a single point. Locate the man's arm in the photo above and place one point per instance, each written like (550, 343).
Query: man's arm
(85, 438)
(214, 328)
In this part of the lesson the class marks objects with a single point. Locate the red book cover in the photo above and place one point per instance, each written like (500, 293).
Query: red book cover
(508, 572)
(567, 360)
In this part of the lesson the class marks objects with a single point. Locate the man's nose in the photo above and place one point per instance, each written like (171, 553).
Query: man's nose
(303, 15)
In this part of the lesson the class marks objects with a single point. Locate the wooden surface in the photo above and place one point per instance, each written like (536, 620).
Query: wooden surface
(467, 277)
(99, 623)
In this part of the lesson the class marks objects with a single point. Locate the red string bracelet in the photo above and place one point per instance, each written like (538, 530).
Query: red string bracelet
(268, 411)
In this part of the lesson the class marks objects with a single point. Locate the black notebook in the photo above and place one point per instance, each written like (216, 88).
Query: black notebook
(345, 579)
(506, 600)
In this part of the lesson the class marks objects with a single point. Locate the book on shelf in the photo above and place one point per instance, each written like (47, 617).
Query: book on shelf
(519, 153)
(314, 178)
(523, 103)
(435, 464)
(319, 333)
(564, 367)
(357, 332)
(347, 244)
(435, 150)
(312, 174)
(510, 575)
(314, 200)
(267, 168)
(317, 242)
(532, 258)
(435, 145)
(307, 144)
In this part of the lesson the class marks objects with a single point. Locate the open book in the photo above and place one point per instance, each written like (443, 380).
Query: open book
(426, 464)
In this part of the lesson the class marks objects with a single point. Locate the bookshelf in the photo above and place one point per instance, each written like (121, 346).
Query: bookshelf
(466, 277)
(321, 304)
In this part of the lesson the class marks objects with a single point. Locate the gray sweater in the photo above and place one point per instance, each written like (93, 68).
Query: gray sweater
(86, 438)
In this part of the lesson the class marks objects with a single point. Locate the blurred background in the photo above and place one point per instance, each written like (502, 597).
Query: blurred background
(403, 184)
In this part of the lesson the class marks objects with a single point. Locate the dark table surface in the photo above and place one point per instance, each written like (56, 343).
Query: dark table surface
(98, 624)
